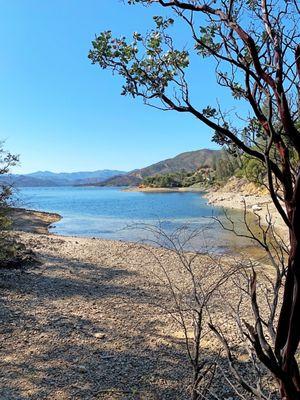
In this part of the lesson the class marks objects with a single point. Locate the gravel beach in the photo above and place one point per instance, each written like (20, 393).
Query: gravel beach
(92, 321)
(236, 195)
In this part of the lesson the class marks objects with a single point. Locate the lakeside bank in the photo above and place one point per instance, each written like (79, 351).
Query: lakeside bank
(94, 320)
(236, 194)
(244, 196)
(32, 221)
(164, 190)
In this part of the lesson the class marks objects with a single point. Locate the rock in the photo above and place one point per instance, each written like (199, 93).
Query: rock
(25, 258)
(256, 207)
(99, 335)
(82, 369)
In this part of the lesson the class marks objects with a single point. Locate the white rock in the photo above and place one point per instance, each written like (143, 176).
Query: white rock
(99, 335)
(256, 207)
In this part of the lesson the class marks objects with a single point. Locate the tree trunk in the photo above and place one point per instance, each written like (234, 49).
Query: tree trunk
(288, 332)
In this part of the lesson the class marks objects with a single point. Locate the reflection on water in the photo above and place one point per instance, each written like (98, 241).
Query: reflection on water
(114, 214)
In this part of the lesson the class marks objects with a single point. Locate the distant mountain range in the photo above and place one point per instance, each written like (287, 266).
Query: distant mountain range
(47, 178)
(189, 161)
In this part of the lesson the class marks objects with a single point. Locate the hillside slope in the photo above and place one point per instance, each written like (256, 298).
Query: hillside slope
(189, 161)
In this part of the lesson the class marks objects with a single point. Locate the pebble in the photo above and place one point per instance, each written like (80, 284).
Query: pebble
(82, 369)
(256, 207)
(120, 346)
(99, 335)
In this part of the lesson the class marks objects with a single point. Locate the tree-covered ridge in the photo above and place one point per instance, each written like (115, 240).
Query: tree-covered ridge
(188, 161)
(226, 166)
(203, 176)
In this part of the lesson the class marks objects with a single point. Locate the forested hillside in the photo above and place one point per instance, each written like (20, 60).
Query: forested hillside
(188, 162)
(226, 165)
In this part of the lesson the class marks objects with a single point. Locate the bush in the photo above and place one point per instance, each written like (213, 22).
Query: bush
(253, 170)
(8, 247)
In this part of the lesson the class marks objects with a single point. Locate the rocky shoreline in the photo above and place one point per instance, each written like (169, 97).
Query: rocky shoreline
(236, 194)
(90, 321)
(250, 199)
(32, 221)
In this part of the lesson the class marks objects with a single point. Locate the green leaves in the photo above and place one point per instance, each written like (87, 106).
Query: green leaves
(148, 63)
(108, 48)
(162, 23)
(209, 112)
(206, 43)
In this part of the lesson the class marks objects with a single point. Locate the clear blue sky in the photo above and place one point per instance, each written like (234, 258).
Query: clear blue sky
(60, 113)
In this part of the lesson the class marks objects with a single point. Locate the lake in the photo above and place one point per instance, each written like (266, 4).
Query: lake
(112, 213)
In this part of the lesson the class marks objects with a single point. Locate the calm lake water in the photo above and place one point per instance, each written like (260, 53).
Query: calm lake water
(115, 214)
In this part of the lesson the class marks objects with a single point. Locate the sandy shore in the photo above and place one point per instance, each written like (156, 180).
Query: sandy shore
(84, 326)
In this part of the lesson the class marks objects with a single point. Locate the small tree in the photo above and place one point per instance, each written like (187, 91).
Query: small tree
(255, 46)
(253, 170)
(7, 160)
(206, 288)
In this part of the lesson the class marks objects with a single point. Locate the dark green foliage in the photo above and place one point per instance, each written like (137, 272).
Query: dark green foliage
(241, 166)
(226, 166)
(167, 180)
(158, 67)
(203, 176)
(253, 170)
(7, 246)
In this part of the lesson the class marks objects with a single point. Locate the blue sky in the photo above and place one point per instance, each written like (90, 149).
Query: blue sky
(60, 113)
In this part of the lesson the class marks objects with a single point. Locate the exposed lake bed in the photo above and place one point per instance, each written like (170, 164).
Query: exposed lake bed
(90, 325)
(89, 321)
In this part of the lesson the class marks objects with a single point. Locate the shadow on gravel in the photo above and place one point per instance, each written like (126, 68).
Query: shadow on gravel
(72, 330)
(79, 331)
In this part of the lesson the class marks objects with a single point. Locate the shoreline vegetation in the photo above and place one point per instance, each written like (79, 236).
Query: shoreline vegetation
(164, 189)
